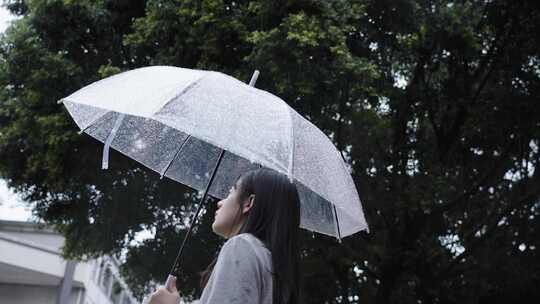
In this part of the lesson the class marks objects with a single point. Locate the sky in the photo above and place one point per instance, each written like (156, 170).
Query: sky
(11, 206)
(5, 17)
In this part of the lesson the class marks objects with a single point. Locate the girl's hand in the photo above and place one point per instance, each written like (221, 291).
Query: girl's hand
(166, 295)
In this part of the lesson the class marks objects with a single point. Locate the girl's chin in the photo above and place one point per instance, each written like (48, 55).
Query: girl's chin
(215, 228)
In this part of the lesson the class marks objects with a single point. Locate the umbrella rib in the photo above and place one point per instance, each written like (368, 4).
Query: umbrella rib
(187, 88)
(93, 122)
(291, 156)
(175, 155)
(337, 224)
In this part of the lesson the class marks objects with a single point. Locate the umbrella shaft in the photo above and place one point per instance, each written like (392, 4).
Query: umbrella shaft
(176, 265)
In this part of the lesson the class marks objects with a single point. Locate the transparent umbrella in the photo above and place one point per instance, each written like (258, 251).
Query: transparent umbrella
(204, 128)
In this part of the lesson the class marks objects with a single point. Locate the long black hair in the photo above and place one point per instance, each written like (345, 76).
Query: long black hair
(274, 219)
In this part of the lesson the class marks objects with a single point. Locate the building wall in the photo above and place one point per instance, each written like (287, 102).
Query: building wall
(105, 285)
(28, 294)
(48, 240)
(32, 270)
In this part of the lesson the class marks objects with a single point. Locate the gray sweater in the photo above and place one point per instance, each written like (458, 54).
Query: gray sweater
(242, 274)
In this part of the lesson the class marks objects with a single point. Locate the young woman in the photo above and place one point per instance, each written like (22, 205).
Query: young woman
(259, 263)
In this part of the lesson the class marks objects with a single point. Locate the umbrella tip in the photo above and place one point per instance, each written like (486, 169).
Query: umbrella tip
(60, 101)
(254, 78)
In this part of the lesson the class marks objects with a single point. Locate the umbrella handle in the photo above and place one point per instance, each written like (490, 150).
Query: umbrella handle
(168, 286)
(169, 283)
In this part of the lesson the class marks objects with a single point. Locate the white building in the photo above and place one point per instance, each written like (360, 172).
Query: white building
(33, 271)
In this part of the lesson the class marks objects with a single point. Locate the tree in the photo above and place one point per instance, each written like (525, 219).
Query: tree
(457, 135)
(432, 104)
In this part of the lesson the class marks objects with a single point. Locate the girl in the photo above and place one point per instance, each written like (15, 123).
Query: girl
(259, 261)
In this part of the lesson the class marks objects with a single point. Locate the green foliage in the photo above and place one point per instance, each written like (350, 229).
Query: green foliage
(432, 103)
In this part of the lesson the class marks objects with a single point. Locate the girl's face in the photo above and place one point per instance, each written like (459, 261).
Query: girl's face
(229, 216)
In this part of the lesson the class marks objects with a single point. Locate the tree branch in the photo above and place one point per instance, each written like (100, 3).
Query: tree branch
(493, 225)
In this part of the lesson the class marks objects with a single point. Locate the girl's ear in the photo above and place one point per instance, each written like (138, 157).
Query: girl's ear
(248, 204)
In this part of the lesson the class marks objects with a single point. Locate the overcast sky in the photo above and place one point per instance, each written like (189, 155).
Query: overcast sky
(11, 207)
(5, 17)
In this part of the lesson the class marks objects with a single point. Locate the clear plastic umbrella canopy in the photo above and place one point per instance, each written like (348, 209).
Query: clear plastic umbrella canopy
(176, 122)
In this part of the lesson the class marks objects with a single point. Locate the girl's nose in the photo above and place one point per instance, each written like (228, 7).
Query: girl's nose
(219, 204)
